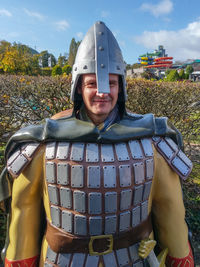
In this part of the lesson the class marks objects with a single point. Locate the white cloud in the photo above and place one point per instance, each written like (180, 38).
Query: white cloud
(62, 25)
(182, 44)
(80, 35)
(105, 14)
(34, 14)
(4, 12)
(164, 7)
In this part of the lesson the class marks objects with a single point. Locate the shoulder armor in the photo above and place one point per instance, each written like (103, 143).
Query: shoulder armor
(17, 162)
(174, 156)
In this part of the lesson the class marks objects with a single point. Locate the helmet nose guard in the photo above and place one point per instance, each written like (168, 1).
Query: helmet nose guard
(98, 53)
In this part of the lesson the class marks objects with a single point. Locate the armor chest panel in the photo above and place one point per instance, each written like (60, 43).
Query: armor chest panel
(99, 189)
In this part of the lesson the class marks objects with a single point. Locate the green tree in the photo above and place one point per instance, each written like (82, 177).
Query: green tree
(72, 51)
(172, 76)
(167, 72)
(67, 69)
(182, 74)
(189, 69)
(62, 60)
(57, 70)
(45, 57)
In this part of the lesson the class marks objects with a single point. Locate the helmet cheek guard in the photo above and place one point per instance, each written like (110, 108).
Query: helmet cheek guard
(98, 53)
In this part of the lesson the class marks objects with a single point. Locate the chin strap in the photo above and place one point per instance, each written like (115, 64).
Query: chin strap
(188, 261)
(31, 262)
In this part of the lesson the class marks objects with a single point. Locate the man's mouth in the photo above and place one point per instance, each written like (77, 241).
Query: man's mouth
(102, 100)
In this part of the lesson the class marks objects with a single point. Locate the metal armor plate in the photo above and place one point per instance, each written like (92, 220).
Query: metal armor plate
(50, 172)
(50, 150)
(94, 205)
(77, 151)
(122, 256)
(63, 173)
(62, 150)
(109, 260)
(109, 176)
(110, 224)
(125, 175)
(107, 154)
(110, 202)
(67, 221)
(122, 152)
(136, 150)
(77, 176)
(95, 225)
(178, 161)
(93, 178)
(92, 153)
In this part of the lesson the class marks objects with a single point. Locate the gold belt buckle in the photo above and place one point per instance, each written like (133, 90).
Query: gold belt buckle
(110, 247)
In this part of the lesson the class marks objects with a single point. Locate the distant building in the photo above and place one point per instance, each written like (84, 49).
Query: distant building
(160, 52)
(195, 76)
(132, 73)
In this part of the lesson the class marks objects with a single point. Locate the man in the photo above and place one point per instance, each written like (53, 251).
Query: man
(105, 179)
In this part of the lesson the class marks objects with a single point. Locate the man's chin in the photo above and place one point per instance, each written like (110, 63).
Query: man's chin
(99, 112)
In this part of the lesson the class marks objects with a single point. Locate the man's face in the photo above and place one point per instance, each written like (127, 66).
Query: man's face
(99, 104)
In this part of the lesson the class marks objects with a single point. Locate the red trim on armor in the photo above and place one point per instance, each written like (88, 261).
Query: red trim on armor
(188, 261)
(31, 262)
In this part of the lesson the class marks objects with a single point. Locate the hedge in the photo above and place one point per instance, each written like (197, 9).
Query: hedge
(29, 100)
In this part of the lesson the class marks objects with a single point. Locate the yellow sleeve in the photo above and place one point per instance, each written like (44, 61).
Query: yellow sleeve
(168, 209)
(26, 211)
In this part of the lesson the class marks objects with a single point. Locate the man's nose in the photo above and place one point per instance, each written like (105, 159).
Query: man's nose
(101, 94)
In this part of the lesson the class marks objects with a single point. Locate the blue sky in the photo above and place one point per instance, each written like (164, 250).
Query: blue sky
(138, 25)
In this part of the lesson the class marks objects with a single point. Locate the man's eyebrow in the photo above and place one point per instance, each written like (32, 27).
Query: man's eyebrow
(90, 80)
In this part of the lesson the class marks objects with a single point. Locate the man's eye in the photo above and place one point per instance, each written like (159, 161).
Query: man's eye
(91, 84)
(112, 84)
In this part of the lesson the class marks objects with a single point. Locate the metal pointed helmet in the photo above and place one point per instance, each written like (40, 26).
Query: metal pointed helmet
(98, 53)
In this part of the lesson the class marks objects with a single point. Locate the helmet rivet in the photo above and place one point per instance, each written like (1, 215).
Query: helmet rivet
(75, 69)
(101, 48)
(102, 66)
(85, 67)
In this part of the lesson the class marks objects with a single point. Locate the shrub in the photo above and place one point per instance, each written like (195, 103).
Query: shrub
(66, 69)
(57, 70)
(172, 76)
(46, 71)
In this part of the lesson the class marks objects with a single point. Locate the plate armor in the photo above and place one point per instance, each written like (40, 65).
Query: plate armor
(99, 190)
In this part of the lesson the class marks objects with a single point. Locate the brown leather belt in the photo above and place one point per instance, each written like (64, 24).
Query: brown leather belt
(62, 242)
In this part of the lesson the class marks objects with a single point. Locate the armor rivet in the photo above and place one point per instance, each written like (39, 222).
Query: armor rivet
(118, 68)
(75, 69)
(102, 66)
(100, 33)
(85, 67)
(101, 48)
